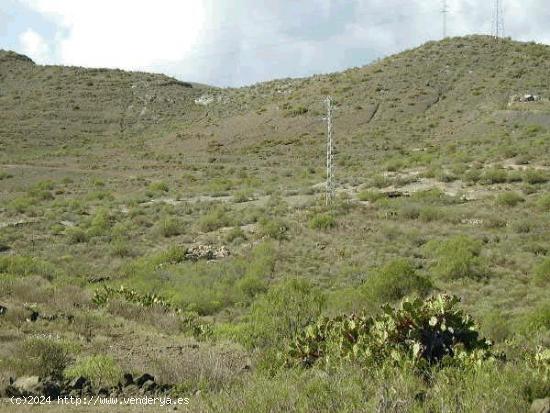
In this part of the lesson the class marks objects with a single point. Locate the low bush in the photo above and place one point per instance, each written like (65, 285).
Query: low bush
(170, 227)
(322, 221)
(283, 311)
(158, 186)
(541, 274)
(456, 258)
(214, 219)
(100, 370)
(21, 265)
(370, 195)
(494, 176)
(509, 199)
(76, 235)
(544, 202)
(274, 228)
(42, 357)
(234, 234)
(394, 281)
(535, 176)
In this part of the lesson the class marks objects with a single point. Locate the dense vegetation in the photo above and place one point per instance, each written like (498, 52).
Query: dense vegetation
(107, 177)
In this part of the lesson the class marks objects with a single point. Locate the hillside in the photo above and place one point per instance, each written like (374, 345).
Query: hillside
(111, 178)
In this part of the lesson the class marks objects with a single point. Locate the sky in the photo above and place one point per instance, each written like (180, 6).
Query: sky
(241, 42)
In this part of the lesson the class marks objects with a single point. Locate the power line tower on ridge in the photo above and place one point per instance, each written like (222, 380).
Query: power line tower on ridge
(498, 19)
(329, 194)
(444, 12)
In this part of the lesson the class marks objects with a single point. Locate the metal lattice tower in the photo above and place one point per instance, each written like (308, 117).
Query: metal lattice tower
(498, 19)
(444, 12)
(329, 196)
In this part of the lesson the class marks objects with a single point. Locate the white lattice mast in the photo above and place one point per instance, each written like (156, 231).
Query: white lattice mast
(444, 12)
(329, 195)
(498, 22)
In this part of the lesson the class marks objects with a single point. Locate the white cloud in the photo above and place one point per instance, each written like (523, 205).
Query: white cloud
(34, 46)
(127, 34)
(236, 42)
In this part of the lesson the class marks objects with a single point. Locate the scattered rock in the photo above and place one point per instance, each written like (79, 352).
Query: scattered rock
(34, 386)
(540, 406)
(206, 252)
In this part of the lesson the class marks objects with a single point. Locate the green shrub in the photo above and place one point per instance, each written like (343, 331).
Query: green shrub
(410, 211)
(100, 223)
(235, 233)
(242, 196)
(472, 176)
(21, 265)
(284, 310)
(100, 370)
(42, 357)
(541, 274)
(430, 213)
(509, 199)
(495, 176)
(120, 248)
(158, 186)
(213, 220)
(170, 227)
(21, 204)
(273, 228)
(76, 235)
(458, 257)
(322, 221)
(534, 176)
(544, 202)
(536, 319)
(370, 195)
(5, 175)
(394, 281)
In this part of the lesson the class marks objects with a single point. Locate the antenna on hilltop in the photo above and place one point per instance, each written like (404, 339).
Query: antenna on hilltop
(329, 195)
(444, 12)
(498, 20)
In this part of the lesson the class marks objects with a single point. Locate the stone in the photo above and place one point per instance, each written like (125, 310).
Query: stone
(78, 382)
(127, 380)
(206, 252)
(540, 406)
(3, 310)
(49, 388)
(24, 386)
(143, 378)
(149, 386)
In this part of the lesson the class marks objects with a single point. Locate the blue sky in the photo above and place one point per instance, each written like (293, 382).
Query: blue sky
(238, 42)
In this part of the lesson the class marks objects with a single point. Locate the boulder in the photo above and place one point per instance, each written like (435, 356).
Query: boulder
(144, 378)
(540, 406)
(49, 388)
(77, 383)
(127, 380)
(149, 386)
(24, 386)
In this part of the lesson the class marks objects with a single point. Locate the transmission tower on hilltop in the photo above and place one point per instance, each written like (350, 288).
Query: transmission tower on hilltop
(329, 195)
(498, 19)
(444, 12)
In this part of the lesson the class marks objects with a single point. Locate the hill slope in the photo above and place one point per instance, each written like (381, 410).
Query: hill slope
(111, 178)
